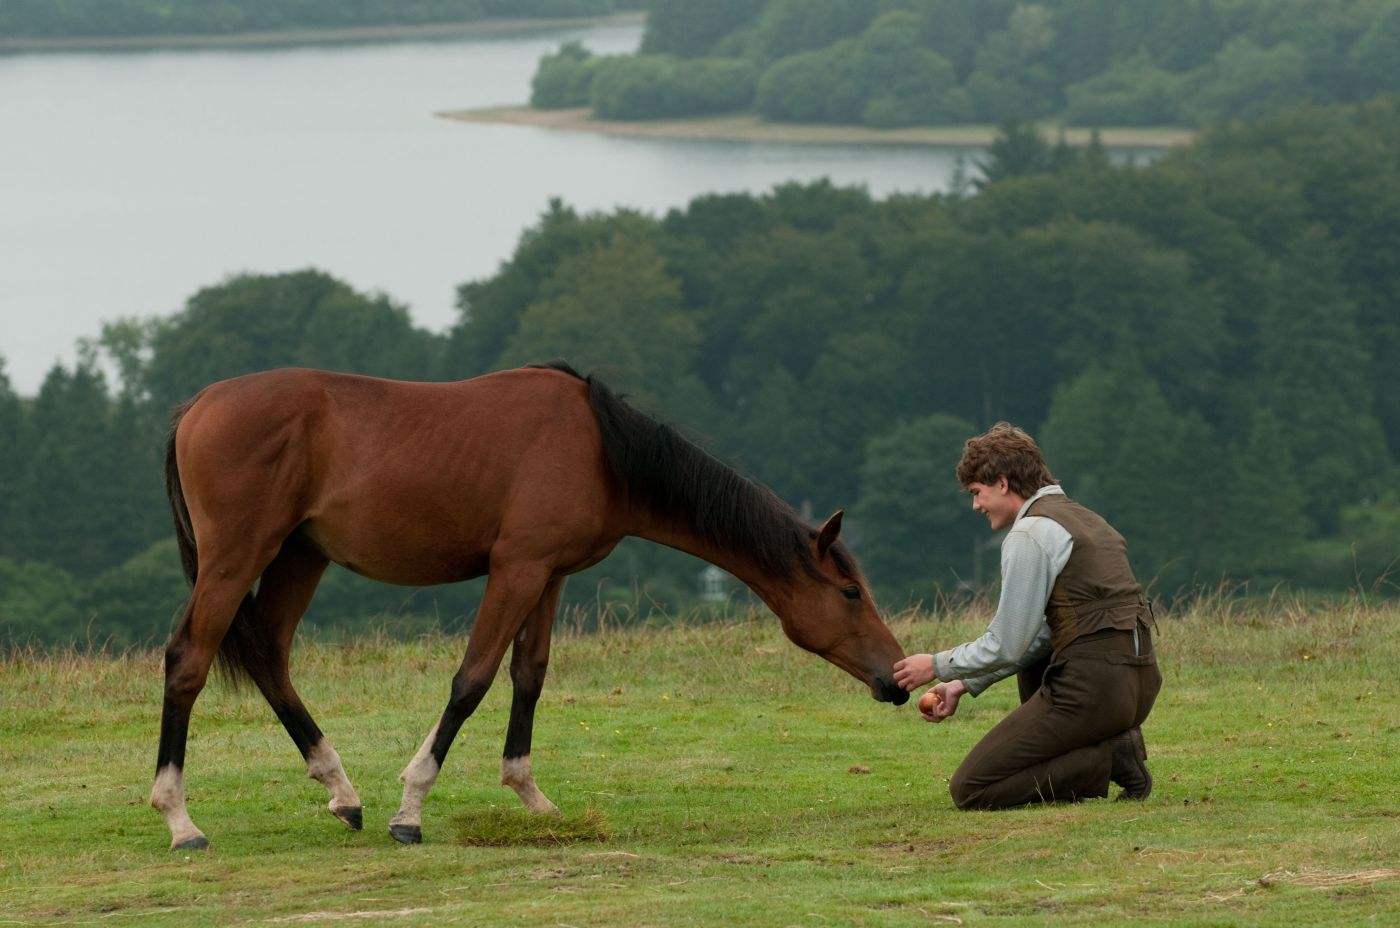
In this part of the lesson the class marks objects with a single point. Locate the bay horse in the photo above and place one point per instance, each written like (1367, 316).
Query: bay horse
(525, 476)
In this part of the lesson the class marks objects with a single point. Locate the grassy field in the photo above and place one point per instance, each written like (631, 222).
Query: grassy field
(747, 127)
(714, 775)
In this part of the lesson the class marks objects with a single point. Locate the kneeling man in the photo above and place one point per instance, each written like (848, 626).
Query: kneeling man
(1071, 624)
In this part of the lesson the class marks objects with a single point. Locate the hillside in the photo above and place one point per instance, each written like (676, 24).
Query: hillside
(714, 775)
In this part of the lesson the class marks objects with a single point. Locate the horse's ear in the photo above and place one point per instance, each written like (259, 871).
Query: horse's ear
(826, 535)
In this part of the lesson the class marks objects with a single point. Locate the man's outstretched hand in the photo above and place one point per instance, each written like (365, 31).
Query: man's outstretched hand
(914, 671)
(946, 703)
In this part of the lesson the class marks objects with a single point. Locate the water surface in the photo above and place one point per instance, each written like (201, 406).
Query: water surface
(130, 179)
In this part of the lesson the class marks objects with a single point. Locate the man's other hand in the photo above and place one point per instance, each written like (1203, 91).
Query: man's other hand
(947, 704)
(914, 671)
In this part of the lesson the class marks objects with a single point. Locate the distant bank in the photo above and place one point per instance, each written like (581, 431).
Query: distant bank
(749, 128)
(472, 27)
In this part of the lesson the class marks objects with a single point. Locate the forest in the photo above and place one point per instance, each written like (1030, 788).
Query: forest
(889, 63)
(1204, 345)
(107, 18)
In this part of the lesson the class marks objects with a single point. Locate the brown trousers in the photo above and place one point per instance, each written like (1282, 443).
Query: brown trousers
(1054, 746)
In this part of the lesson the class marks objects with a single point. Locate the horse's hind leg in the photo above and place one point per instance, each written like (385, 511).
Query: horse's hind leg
(286, 590)
(512, 591)
(528, 662)
(218, 596)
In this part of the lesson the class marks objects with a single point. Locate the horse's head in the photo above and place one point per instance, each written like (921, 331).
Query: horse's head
(830, 612)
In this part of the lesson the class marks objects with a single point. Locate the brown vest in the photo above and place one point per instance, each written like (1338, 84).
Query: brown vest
(1096, 590)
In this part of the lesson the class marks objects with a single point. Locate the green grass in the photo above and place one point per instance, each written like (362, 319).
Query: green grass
(705, 775)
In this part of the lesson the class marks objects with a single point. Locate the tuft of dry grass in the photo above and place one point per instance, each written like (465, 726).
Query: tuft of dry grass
(499, 827)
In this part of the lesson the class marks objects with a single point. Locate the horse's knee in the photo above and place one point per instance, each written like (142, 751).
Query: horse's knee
(185, 675)
(528, 680)
(468, 689)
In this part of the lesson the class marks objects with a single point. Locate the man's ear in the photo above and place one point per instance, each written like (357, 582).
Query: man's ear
(1003, 485)
(826, 535)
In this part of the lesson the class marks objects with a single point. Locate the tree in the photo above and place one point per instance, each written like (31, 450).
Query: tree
(1313, 374)
(1121, 450)
(659, 86)
(1104, 290)
(1012, 80)
(901, 82)
(13, 464)
(1247, 81)
(689, 29)
(1375, 54)
(883, 77)
(257, 322)
(1018, 150)
(72, 513)
(1259, 525)
(787, 27)
(37, 604)
(915, 525)
(615, 310)
(1133, 92)
(564, 78)
(490, 310)
(778, 301)
(136, 603)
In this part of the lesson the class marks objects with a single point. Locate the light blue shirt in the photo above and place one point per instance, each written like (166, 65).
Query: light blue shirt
(1033, 553)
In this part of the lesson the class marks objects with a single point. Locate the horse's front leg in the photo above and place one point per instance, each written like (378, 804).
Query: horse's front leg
(512, 591)
(528, 663)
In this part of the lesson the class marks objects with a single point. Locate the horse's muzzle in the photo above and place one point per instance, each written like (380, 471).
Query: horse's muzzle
(885, 690)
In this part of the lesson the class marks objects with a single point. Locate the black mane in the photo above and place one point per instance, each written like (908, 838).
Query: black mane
(676, 479)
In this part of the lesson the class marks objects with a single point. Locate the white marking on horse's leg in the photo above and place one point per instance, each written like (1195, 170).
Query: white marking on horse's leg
(168, 798)
(516, 773)
(323, 764)
(418, 777)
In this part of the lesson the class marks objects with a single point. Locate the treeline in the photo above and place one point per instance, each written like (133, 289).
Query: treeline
(90, 18)
(1205, 347)
(889, 63)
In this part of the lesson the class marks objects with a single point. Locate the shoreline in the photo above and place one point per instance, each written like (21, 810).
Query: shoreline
(749, 128)
(314, 36)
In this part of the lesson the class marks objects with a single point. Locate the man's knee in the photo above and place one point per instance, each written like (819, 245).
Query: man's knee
(965, 792)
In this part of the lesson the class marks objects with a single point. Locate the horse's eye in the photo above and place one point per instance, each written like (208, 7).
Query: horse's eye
(851, 592)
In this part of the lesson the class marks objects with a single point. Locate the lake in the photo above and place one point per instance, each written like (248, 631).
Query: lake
(128, 180)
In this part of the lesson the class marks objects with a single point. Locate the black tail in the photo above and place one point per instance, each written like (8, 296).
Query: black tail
(184, 535)
(243, 647)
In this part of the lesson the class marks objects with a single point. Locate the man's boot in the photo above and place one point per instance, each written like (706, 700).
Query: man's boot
(1130, 764)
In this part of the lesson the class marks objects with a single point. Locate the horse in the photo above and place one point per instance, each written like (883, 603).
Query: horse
(524, 476)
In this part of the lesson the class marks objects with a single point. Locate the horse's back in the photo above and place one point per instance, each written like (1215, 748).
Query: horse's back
(411, 482)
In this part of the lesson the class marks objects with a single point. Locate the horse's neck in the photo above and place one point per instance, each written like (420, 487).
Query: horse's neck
(770, 588)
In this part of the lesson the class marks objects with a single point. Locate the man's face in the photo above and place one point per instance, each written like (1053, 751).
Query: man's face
(996, 502)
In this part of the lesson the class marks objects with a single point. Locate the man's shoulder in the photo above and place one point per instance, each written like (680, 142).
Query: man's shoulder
(1043, 530)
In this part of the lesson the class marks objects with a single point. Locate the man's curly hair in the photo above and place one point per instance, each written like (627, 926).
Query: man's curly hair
(1005, 450)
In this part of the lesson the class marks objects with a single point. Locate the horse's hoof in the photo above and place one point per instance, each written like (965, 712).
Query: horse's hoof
(197, 843)
(406, 834)
(353, 816)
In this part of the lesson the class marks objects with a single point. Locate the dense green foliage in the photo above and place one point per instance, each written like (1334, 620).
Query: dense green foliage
(1205, 347)
(1088, 62)
(620, 86)
(47, 19)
